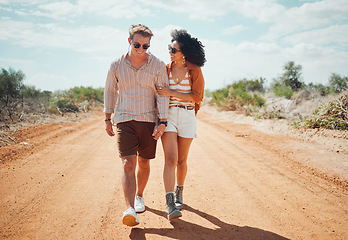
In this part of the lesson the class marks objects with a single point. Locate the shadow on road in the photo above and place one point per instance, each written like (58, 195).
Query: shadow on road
(188, 230)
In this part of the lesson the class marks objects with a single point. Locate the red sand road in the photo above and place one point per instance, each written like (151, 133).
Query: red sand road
(242, 184)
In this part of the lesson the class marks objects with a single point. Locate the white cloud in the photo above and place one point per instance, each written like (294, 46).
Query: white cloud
(307, 34)
(17, 61)
(306, 17)
(57, 10)
(227, 62)
(234, 29)
(48, 81)
(94, 39)
(67, 10)
(196, 9)
(336, 34)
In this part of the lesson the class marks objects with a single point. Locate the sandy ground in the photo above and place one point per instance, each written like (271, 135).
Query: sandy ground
(243, 183)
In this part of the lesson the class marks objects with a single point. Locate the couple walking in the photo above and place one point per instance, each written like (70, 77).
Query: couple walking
(150, 101)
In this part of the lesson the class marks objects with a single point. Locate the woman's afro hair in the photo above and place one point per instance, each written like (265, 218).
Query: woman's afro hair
(191, 47)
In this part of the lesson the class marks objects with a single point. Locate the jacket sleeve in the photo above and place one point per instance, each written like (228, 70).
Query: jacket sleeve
(197, 85)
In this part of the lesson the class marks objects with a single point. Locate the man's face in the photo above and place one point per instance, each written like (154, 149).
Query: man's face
(139, 42)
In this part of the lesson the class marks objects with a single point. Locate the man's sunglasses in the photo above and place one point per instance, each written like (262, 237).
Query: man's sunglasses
(174, 50)
(137, 45)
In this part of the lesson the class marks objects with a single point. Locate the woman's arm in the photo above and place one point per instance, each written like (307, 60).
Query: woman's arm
(166, 91)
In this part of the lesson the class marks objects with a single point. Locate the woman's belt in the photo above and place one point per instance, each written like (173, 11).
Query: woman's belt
(183, 106)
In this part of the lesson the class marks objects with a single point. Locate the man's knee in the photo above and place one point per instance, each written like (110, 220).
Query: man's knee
(143, 163)
(129, 163)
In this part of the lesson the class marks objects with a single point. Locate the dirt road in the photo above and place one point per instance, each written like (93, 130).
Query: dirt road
(242, 184)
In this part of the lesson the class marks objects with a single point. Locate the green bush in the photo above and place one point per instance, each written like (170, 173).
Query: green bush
(320, 88)
(282, 90)
(236, 96)
(88, 93)
(219, 97)
(65, 105)
(338, 83)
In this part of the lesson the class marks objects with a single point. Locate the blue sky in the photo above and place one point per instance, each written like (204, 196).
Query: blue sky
(63, 44)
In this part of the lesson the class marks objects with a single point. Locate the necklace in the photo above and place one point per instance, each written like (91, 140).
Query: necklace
(179, 74)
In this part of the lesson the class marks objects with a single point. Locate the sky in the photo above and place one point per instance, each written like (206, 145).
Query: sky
(63, 44)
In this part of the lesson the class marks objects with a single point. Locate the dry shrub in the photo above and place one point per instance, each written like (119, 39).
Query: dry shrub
(333, 115)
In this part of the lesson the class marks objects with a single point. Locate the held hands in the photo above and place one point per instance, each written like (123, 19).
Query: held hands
(164, 91)
(158, 131)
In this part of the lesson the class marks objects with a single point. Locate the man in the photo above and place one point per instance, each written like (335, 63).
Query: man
(131, 89)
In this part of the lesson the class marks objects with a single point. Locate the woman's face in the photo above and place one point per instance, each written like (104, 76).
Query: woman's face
(177, 56)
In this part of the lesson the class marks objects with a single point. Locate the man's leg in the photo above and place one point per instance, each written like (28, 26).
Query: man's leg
(147, 151)
(129, 217)
(128, 179)
(142, 174)
(142, 178)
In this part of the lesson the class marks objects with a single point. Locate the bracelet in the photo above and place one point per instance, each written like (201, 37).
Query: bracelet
(163, 122)
(107, 119)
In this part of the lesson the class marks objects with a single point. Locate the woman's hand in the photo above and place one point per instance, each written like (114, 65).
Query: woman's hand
(164, 91)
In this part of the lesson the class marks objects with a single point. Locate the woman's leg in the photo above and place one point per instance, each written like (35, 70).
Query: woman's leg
(183, 150)
(170, 147)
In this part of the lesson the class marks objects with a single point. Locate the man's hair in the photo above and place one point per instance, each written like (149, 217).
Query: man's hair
(191, 47)
(140, 29)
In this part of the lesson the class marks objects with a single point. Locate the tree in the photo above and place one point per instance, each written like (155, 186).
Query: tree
(11, 84)
(291, 76)
(338, 83)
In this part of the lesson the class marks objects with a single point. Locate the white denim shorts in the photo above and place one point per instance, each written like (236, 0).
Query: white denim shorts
(182, 121)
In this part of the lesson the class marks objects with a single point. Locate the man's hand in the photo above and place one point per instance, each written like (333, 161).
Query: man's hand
(108, 128)
(158, 131)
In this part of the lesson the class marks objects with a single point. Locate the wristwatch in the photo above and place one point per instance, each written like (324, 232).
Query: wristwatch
(163, 122)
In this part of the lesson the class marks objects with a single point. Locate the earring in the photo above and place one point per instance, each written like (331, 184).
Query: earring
(129, 48)
(183, 61)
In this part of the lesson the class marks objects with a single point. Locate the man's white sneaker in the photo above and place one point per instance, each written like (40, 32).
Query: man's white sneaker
(129, 217)
(139, 204)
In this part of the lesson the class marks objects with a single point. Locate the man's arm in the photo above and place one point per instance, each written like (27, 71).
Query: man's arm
(110, 97)
(162, 103)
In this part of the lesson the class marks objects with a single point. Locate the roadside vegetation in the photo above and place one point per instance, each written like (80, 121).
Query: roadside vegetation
(252, 97)
(17, 100)
(248, 96)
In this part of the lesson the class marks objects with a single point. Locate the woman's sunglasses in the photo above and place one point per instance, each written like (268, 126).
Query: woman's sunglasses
(174, 50)
(137, 45)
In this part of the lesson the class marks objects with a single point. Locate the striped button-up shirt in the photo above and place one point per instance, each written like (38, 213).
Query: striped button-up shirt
(132, 92)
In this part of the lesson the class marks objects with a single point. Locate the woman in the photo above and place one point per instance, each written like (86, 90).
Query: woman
(186, 93)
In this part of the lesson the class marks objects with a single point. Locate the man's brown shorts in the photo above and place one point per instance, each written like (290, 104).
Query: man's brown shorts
(135, 138)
